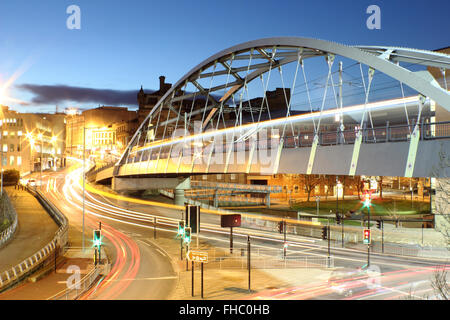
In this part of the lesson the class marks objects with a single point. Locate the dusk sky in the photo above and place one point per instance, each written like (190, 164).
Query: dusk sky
(125, 44)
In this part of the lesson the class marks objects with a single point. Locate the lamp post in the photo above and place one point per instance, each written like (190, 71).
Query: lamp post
(84, 160)
(1, 160)
(41, 162)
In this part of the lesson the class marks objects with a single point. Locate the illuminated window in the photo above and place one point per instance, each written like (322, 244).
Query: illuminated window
(5, 134)
(4, 161)
(11, 160)
(19, 160)
(5, 148)
(19, 133)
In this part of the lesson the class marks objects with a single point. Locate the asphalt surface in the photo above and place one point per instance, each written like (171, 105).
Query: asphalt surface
(143, 271)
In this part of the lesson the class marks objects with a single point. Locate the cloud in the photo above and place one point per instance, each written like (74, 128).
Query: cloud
(57, 94)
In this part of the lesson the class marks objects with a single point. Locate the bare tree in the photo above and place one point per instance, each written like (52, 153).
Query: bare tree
(357, 183)
(309, 181)
(330, 182)
(380, 184)
(440, 284)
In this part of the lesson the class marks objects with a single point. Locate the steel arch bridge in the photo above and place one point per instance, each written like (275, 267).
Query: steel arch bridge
(221, 116)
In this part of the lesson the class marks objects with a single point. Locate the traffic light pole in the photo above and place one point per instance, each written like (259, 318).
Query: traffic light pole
(248, 261)
(192, 266)
(231, 239)
(284, 245)
(368, 245)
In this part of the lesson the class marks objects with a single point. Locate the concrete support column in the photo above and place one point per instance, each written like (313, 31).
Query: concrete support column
(179, 198)
(178, 192)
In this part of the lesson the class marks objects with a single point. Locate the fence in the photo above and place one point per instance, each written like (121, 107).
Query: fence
(264, 259)
(73, 292)
(46, 255)
(10, 214)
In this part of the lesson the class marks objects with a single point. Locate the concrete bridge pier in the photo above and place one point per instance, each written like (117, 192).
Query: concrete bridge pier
(178, 192)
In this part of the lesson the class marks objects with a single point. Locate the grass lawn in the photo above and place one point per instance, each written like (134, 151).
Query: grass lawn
(380, 207)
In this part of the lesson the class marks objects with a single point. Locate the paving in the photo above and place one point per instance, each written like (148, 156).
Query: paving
(35, 229)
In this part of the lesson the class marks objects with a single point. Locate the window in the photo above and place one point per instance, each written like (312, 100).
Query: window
(19, 133)
(296, 188)
(204, 177)
(5, 148)
(11, 160)
(219, 177)
(233, 176)
(11, 148)
(19, 160)
(4, 161)
(5, 134)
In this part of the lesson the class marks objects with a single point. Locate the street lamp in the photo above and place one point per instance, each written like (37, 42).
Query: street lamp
(42, 146)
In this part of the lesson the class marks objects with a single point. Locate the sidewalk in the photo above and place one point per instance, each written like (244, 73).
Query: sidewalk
(35, 230)
(53, 282)
(231, 284)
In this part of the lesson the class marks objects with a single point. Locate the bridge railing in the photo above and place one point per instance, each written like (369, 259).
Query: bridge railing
(428, 131)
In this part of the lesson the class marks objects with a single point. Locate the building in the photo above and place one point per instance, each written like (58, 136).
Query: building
(31, 141)
(95, 130)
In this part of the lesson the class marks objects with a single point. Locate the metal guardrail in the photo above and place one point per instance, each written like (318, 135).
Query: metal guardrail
(428, 131)
(236, 186)
(73, 292)
(40, 258)
(11, 214)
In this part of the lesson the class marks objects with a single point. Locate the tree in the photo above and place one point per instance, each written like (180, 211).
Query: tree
(380, 184)
(439, 283)
(358, 184)
(309, 181)
(330, 182)
(442, 216)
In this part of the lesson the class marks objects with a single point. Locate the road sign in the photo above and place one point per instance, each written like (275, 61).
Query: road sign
(197, 256)
(366, 236)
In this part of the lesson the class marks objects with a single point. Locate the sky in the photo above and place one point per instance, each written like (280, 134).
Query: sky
(122, 45)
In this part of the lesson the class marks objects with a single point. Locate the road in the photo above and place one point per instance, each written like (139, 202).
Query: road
(143, 271)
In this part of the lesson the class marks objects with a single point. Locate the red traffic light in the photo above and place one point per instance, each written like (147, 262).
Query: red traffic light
(366, 236)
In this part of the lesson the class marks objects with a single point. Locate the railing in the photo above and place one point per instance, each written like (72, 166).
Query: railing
(236, 186)
(428, 131)
(10, 213)
(43, 256)
(264, 259)
(73, 292)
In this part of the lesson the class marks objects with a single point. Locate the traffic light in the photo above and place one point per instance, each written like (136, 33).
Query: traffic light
(379, 223)
(187, 235)
(280, 226)
(97, 235)
(324, 233)
(366, 236)
(180, 228)
(367, 200)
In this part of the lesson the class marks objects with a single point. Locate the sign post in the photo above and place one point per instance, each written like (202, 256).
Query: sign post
(197, 256)
(231, 221)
